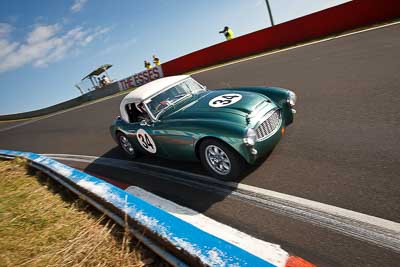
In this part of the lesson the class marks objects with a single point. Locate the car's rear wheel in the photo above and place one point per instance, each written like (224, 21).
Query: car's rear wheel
(126, 145)
(220, 160)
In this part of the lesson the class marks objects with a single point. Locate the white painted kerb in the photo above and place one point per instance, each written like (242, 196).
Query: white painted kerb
(267, 251)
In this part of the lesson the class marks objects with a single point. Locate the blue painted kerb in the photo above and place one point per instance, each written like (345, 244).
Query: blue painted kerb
(209, 249)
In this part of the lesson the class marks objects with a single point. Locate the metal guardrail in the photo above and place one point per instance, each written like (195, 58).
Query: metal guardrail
(176, 241)
(108, 90)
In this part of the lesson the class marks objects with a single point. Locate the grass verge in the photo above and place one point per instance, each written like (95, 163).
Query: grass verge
(42, 224)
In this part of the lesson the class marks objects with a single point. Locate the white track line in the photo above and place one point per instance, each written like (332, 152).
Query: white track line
(378, 231)
(267, 251)
(32, 120)
(21, 124)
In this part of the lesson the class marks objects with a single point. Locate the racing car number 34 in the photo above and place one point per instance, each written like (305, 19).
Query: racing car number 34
(177, 118)
(224, 100)
(146, 141)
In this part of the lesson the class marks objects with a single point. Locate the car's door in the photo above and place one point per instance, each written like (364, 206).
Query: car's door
(175, 140)
(147, 139)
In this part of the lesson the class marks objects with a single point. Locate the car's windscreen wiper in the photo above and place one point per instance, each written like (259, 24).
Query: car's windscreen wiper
(172, 104)
(181, 95)
(164, 109)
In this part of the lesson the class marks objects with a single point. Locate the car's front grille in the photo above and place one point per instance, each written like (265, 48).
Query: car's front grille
(269, 125)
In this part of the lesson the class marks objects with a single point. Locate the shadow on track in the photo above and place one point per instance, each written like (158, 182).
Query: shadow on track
(182, 193)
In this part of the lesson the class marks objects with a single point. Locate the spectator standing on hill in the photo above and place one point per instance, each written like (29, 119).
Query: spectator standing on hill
(227, 32)
(147, 64)
(156, 60)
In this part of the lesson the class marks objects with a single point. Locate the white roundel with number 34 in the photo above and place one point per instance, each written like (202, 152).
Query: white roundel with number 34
(224, 100)
(146, 141)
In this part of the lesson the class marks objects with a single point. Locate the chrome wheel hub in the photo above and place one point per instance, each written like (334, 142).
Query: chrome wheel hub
(126, 145)
(218, 160)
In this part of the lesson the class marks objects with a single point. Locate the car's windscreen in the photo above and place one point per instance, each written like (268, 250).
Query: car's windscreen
(169, 97)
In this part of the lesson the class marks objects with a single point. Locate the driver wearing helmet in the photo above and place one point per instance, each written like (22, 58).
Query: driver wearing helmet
(142, 112)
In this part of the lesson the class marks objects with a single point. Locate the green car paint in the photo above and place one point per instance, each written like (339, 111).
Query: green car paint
(178, 132)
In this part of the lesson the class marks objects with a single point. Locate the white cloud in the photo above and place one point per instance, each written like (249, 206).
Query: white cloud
(5, 29)
(45, 44)
(95, 34)
(78, 5)
(6, 48)
(42, 33)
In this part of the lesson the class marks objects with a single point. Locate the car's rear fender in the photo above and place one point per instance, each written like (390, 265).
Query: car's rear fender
(114, 128)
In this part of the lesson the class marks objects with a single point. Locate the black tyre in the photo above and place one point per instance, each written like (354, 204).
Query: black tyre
(126, 146)
(220, 160)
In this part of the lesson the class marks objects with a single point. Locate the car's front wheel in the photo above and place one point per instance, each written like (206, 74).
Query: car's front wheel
(126, 145)
(221, 160)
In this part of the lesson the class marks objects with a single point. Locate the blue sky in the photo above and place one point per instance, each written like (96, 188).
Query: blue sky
(47, 46)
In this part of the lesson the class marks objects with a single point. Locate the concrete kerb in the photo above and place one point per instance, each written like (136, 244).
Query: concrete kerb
(178, 242)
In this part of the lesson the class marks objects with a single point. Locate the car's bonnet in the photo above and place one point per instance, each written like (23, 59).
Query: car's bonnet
(205, 103)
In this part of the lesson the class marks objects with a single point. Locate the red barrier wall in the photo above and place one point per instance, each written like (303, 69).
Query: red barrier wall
(340, 18)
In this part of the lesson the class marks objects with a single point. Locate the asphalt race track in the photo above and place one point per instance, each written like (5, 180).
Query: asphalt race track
(343, 148)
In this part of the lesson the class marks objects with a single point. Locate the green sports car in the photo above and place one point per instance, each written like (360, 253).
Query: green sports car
(178, 118)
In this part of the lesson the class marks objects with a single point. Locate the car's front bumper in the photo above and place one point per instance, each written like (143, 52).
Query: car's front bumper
(261, 148)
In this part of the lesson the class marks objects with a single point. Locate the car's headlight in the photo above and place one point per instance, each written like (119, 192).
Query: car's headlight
(292, 99)
(250, 137)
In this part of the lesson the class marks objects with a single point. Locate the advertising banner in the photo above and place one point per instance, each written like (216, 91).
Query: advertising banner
(141, 78)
